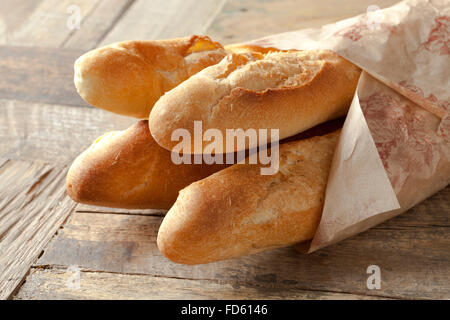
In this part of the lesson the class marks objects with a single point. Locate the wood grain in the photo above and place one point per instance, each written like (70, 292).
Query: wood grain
(33, 205)
(52, 133)
(44, 23)
(38, 74)
(413, 256)
(52, 284)
(164, 19)
(247, 20)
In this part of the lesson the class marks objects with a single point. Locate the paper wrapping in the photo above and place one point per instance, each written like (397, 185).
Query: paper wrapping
(394, 149)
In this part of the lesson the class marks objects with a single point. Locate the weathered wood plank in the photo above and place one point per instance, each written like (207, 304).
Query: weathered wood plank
(52, 133)
(38, 74)
(33, 205)
(49, 23)
(246, 20)
(52, 284)
(46, 25)
(413, 257)
(97, 24)
(163, 19)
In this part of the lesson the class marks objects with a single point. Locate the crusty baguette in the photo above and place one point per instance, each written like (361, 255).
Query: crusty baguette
(128, 169)
(237, 211)
(129, 77)
(258, 88)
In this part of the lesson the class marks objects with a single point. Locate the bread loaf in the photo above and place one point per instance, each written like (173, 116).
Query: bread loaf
(129, 77)
(258, 88)
(237, 211)
(128, 169)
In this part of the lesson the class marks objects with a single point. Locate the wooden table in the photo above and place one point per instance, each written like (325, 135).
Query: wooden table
(44, 125)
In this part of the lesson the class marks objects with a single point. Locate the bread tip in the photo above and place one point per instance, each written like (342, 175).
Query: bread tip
(71, 190)
(167, 248)
(173, 240)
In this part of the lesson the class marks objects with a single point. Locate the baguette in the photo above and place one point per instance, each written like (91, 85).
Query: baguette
(237, 211)
(129, 77)
(128, 169)
(258, 88)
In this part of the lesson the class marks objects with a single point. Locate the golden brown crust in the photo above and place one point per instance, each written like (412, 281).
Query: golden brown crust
(238, 211)
(128, 169)
(245, 48)
(287, 90)
(129, 77)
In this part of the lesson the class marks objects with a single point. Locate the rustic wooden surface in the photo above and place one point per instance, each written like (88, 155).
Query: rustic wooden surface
(44, 125)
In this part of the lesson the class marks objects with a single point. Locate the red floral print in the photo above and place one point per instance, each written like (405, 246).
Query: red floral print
(439, 38)
(431, 103)
(358, 30)
(400, 134)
